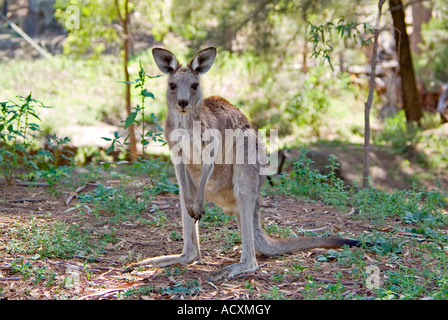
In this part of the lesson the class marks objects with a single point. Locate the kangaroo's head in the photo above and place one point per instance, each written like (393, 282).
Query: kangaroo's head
(184, 91)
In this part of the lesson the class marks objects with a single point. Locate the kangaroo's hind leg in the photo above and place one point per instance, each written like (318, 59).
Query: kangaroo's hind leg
(191, 248)
(246, 186)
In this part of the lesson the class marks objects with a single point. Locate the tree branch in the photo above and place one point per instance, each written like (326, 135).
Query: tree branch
(253, 15)
(368, 104)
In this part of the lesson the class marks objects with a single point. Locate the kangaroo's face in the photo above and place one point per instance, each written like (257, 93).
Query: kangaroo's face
(184, 91)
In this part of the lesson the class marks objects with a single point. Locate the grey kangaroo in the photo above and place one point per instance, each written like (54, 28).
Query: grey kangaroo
(235, 187)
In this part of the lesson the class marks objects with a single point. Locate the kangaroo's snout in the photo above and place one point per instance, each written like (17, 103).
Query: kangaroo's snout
(183, 104)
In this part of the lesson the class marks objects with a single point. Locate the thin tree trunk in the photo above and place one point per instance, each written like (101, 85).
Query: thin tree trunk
(124, 21)
(368, 105)
(305, 54)
(411, 100)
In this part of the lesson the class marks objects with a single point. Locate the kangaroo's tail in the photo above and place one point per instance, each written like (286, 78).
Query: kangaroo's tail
(270, 246)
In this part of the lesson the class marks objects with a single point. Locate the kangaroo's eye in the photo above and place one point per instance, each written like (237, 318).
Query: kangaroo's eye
(195, 86)
(173, 86)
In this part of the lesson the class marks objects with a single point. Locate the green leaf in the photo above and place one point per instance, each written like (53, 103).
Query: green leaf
(33, 164)
(126, 82)
(146, 93)
(130, 119)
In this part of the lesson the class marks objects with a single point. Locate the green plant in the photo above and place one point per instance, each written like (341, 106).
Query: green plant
(50, 240)
(417, 205)
(174, 270)
(214, 215)
(147, 136)
(116, 202)
(188, 288)
(175, 235)
(311, 184)
(274, 228)
(274, 294)
(404, 283)
(297, 269)
(232, 237)
(310, 106)
(320, 36)
(277, 277)
(156, 168)
(159, 218)
(401, 136)
(18, 128)
(412, 206)
(27, 270)
(49, 167)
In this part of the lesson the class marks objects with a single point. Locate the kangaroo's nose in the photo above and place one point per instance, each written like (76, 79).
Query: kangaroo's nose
(183, 103)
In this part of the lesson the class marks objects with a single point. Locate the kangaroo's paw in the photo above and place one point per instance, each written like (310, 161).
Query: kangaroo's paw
(233, 270)
(196, 211)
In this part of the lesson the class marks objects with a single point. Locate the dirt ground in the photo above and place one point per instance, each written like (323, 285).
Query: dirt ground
(276, 278)
(105, 279)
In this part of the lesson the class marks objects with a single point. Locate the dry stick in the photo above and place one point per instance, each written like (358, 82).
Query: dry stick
(82, 188)
(26, 200)
(26, 37)
(345, 283)
(368, 104)
(31, 184)
(10, 279)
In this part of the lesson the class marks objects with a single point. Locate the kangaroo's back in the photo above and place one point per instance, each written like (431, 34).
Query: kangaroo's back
(218, 113)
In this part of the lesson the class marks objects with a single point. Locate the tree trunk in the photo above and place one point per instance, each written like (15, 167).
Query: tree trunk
(368, 104)
(124, 21)
(411, 100)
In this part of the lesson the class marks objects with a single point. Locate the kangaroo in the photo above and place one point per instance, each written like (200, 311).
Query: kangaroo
(235, 187)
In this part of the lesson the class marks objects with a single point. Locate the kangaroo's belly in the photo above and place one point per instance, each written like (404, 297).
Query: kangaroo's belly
(219, 187)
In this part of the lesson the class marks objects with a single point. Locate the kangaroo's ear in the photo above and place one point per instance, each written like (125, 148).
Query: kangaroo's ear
(203, 60)
(165, 60)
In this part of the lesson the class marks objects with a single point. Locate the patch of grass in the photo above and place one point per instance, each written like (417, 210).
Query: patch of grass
(310, 184)
(411, 206)
(282, 232)
(115, 202)
(184, 288)
(274, 294)
(37, 274)
(214, 216)
(417, 238)
(50, 240)
(417, 205)
(398, 135)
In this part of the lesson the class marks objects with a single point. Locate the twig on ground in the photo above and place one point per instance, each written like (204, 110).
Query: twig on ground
(80, 189)
(31, 184)
(26, 200)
